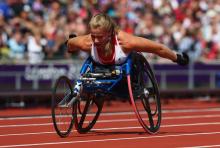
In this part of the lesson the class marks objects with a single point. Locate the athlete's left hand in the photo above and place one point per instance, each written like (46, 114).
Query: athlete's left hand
(182, 59)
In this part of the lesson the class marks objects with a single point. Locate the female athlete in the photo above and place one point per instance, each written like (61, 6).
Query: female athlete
(110, 45)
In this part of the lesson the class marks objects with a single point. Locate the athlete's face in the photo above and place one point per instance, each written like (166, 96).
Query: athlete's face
(100, 37)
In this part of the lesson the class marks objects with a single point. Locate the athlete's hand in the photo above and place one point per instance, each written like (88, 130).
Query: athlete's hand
(70, 36)
(182, 59)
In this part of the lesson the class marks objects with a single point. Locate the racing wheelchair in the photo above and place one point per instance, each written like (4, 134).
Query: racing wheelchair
(134, 80)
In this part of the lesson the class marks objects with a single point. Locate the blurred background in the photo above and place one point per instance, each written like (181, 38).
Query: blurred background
(33, 54)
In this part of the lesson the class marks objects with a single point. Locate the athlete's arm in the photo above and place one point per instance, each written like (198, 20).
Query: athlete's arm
(130, 42)
(80, 43)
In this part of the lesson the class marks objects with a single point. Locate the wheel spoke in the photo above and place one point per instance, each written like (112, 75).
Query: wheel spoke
(93, 106)
(85, 111)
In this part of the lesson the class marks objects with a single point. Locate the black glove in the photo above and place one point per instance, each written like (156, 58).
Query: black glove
(182, 59)
(70, 36)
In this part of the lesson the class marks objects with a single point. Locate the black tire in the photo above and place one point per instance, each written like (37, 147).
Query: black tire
(144, 94)
(88, 110)
(63, 119)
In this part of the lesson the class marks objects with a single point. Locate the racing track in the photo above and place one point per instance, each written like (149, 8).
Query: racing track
(184, 124)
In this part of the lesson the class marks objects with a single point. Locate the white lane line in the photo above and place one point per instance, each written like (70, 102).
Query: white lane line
(203, 146)
(118, 113)
(25, 134)
(163, 126)
(117, 120)
(190, 110)
(193, 124)
(120, 128)
(104, 140)
(24, 118)
(25, 125)
(163, 118)
(121, 120)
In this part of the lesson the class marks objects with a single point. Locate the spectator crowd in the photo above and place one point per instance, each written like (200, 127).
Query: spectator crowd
(35, 30)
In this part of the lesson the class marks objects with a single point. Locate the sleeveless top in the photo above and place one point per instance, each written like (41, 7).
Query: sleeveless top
(118, 56)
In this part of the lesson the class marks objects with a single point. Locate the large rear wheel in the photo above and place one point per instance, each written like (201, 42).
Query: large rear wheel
(144, 94)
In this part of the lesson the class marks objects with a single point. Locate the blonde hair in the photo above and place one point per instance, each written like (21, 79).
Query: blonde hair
(104, 22)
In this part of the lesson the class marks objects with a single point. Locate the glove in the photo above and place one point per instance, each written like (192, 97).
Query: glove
(70, 36)
(182, 59)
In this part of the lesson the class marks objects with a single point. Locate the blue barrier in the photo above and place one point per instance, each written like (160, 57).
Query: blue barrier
(40, 77)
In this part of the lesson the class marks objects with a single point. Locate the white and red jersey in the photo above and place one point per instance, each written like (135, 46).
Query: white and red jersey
(118, 56)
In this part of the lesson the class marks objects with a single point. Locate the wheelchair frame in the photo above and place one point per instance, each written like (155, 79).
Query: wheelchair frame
(98, 81)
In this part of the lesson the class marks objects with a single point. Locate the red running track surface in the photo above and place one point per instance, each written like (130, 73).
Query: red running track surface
(185, 123)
